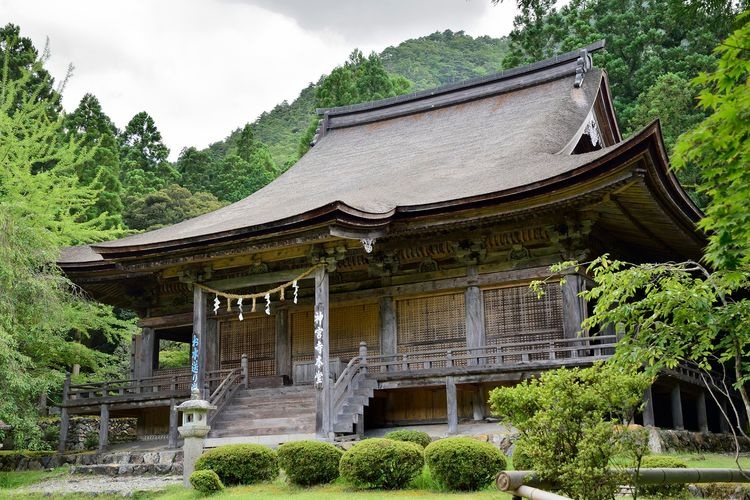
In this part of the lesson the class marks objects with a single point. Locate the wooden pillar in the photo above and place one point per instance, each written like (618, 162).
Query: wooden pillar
(725, 422)
(452, 403)
(283, 344)
(323, 417)
(64, 416)
(676, 400)
(702, 413)
(200, 328)
(103, 427)
(145, 356)
(388, 326)
(477, 403)
(173, 423)
(573, 306)
(648, 409)
(212, 345)
(474, 305)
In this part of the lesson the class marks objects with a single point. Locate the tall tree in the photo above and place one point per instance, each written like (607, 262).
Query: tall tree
(166, 206)
(198, 169)
(143, 156)
(93, 130)
(40, 211)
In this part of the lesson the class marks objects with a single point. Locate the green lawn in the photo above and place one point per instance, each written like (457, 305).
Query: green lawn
(11, 480)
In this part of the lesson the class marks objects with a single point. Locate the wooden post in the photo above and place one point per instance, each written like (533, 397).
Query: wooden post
(363, 355)
(648, 409)
(475, 334)
(145, 357)
(452, 403)
(211, 344)
(573, 306)
(726, 424)
(477, 403)
(64, 416)
(323, 417)
(283, 344)
(173, 423)
(103, 427)
(676, 400)
(199, 333)
(388, 333)
(702, 414)
(245, 377)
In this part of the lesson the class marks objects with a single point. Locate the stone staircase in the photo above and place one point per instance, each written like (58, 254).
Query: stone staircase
(352, 408)
(268, 416)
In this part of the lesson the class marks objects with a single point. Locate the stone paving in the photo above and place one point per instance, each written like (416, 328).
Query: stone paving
(103, 485)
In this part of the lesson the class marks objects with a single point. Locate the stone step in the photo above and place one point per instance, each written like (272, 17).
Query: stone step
(127, 469)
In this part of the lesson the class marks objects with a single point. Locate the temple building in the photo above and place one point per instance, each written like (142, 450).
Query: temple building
(384, 279)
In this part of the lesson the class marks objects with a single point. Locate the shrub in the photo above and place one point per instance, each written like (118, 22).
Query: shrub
(663, 490)
(421, 438)
(521, 459)
(240, 463)
(463, 463)
(310, 462)
(206, 482)
(91, 440)
(382, 463)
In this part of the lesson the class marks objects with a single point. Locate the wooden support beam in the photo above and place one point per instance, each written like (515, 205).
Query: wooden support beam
(452, 403)
(212, 345)
(648, 409)
(477, 403)
(283, 343)
(702, 413)
(200, 327)
(676, 400)
(255, 279)
(103, 427)
(173, 423)
(573, 306)
(64, 416)
(474, 305)
(388, 339)
(323, 417)
(147, 353)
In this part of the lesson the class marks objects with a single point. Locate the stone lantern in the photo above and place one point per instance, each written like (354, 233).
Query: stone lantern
(193, 430)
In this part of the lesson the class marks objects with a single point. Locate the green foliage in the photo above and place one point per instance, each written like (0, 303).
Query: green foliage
(568, 423)
(720, 148)
(206, 482)
(521, 458)
(173, 354)
(167, 206)
(444, 58)
(663, 490)
(240, 463)
(382, 463)
(91, 440)
(310, 462)
(143, 157)
(43, 207)
(463, 463)
(421, 438)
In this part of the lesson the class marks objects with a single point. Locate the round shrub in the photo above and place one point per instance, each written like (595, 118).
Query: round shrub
(462, 463)
(419, 437)
(240, 463)
(663, 490)
(382, 463)
(310, 462)
(206, 482)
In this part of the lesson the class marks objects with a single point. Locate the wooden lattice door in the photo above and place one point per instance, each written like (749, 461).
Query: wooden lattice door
(256, 337)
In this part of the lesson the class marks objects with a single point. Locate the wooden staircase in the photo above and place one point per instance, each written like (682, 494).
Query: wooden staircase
(351, 409)
(266, 416)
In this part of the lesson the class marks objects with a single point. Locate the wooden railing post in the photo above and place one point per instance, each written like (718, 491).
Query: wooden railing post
(64, 417)
(405, 362)
(363, 356)
(173, 387)
(449, 358)
(243, 364)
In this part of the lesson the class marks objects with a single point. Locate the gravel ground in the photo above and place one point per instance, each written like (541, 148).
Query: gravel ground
(105, 485)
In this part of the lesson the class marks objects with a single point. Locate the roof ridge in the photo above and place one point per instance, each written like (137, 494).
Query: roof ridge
(471, 82)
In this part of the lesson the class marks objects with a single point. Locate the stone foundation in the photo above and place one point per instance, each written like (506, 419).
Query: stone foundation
(124, 463)
(671, 441)
(83, 432)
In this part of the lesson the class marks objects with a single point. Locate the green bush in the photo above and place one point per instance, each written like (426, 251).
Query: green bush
(310, 462)
(521, 459)
(421, 438)
(91, 440)
(240, 463)
(382, 463)
(206, 482)
(663, 490)
(463, 463)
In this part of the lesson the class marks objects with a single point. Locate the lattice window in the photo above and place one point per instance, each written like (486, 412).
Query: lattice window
(516, 315)
(348, 326)
(256, 337)
(435, 322)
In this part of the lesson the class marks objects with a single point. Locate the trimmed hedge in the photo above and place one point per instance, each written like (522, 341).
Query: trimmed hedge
(463, 463)
(310, 462)
(382, 463)
(240, 463)
(421, 438)
(663, 490)
(206, 482)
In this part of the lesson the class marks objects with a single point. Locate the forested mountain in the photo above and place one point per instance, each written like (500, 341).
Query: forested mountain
(427, 62)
